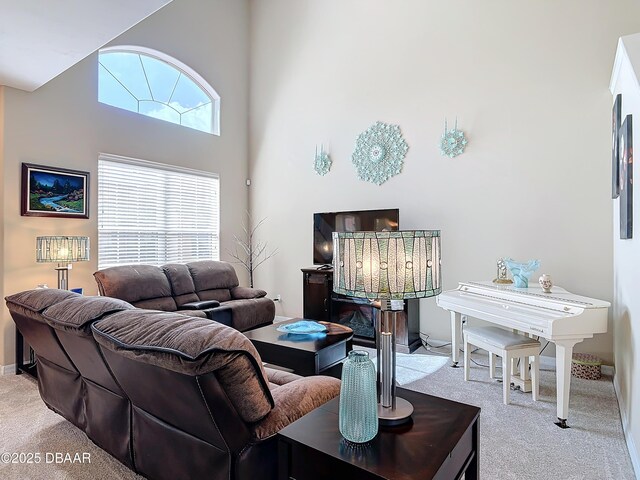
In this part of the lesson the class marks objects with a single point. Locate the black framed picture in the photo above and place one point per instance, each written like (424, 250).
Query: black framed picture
(615, 146)
(626, 178)
(54, 192)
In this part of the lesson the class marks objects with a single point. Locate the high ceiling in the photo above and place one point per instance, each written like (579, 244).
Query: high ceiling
(40, 39)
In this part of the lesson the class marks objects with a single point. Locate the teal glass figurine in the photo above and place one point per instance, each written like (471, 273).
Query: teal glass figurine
(358, 414)
(521, 272)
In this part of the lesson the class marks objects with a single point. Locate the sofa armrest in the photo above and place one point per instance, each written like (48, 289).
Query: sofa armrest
(238, 293)
(199, 305)
(295, 399)
(223, 315)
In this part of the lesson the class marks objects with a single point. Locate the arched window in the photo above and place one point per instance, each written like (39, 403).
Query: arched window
(152, 83)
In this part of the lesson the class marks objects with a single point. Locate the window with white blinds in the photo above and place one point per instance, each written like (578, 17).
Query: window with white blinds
(153, 214)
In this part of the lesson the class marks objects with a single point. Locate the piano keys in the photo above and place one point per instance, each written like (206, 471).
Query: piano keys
(560, 317)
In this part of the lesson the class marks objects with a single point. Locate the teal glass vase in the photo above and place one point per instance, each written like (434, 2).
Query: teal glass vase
(358, 416)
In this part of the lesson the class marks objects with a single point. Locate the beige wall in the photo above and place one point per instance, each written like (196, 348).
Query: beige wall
(62, 124)
(528, 84)
(626, 254)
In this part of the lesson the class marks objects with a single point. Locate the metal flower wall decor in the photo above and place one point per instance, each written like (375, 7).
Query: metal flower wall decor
(379, 153)
(322, 162)
(452, 142)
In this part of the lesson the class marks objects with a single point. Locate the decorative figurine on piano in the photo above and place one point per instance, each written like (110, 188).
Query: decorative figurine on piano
(521, 272)
(501, 278)
(545, 282)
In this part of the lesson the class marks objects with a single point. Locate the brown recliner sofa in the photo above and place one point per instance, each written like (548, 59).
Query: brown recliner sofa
(205, 288)
(107, 367)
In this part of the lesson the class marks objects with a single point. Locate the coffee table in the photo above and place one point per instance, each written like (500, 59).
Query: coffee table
(442, 442)
(304, 355)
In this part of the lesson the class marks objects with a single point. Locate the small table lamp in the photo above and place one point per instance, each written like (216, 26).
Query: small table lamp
(389, 267)
(62, 250)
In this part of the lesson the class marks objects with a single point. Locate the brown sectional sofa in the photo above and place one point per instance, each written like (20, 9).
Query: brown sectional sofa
(205, 288)
(107, 367)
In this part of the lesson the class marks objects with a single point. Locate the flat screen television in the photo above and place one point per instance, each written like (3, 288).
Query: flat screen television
(324, 224)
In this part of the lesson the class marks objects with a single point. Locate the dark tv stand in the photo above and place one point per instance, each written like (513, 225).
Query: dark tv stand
(321, 303)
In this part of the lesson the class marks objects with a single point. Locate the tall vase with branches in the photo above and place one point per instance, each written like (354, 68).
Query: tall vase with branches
(249, 251)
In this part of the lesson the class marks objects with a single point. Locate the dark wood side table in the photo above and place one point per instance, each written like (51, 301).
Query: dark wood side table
(441, 443)
(21, 367)
(302, 354)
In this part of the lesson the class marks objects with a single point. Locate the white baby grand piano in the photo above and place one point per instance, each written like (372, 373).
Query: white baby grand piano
(561, 317)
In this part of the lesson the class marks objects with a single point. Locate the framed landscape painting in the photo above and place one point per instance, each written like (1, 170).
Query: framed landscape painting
(626, 178)
(54, 192)
(616, 115)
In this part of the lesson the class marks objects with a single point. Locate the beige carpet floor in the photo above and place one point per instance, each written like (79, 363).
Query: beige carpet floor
(519, 441)
(27, 426)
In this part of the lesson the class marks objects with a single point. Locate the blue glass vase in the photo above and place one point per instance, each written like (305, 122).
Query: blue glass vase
(521, 271)
(358, 417)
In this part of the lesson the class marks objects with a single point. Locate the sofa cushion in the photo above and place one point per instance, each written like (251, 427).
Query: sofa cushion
(191, 346)
(182, 286)
(31, 303)
(165, 304)
(245, 292)
(221, 295)
(294, 399)
(278, 378)
(179, 278)
(194, 313)
(76, 314)
(251, 312)
(211, 275)
(144, 286)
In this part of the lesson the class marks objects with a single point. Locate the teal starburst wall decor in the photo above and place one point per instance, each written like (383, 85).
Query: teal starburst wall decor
(452, 142)
(379, 153)
(322, 162)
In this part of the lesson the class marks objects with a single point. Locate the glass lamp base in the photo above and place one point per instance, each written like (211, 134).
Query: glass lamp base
(395, 416)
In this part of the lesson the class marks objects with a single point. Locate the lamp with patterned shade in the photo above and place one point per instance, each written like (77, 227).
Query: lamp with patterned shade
(390, 267)
(62, 250)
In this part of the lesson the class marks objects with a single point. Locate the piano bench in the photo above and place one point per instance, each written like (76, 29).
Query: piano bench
(508, 346)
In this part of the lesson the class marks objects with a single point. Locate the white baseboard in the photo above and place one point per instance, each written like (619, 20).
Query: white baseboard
(631, 446)
(8, 369)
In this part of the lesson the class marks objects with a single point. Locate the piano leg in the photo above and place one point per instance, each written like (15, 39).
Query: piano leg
(456, 333)
(564, 352)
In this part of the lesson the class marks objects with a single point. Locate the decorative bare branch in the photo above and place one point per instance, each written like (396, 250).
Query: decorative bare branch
(250, 252)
